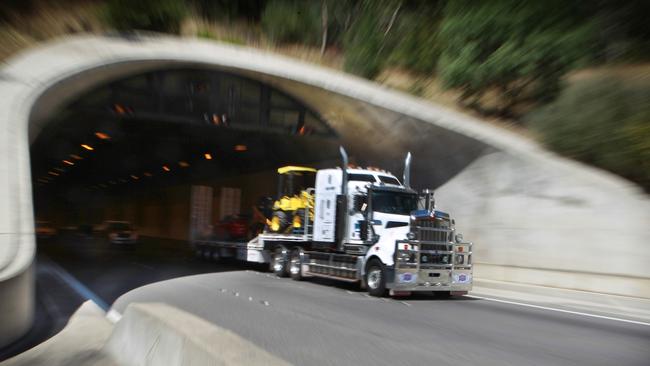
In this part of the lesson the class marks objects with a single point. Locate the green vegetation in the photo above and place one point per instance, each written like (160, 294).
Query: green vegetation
(292, 21)
(517, 52)
(603, 122)
(151, 15)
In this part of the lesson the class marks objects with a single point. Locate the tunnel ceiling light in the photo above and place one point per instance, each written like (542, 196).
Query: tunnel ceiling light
(165, 168)
(76, 157)
(135, 177)
(102, 136)
(68, 162)
(147, 174)
(207, 156)
(183, 164)
(241, 147)
(87, 147)
(53, 173)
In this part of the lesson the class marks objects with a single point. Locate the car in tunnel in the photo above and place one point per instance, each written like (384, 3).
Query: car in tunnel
(120, 232)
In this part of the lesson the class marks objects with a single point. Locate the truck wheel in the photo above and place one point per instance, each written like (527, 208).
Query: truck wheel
(279, 262)
(295, 265)
(376, 278)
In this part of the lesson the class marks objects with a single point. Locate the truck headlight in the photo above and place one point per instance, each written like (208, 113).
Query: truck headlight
(410, 235)
(460, 259)
(459, 238)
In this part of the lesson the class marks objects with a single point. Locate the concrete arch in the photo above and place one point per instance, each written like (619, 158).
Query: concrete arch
(536, 218)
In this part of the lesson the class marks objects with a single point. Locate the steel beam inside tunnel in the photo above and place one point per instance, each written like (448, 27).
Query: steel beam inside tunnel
(535, 218)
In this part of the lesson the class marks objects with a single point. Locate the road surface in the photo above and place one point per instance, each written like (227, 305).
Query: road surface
(322, 322)
(319, 323)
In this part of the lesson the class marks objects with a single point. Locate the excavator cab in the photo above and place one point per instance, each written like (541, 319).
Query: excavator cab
(295, 199)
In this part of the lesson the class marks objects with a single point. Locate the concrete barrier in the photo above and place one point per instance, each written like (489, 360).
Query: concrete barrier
(147, 334)
(158, 334)
(535, 217)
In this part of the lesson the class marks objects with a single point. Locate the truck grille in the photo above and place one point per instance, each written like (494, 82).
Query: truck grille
(433, 231)
(436, 247)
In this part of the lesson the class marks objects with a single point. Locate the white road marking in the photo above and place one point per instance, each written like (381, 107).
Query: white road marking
(350, 292)
(223, 290)
(250, 298)
(405, 303)
(560, 310)
(266, 303)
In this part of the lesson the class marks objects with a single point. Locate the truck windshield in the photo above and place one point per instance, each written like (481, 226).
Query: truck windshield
(394, 202)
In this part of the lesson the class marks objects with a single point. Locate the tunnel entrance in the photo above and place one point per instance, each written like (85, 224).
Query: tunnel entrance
(131, 149)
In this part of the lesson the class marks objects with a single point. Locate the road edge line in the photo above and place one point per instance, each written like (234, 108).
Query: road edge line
(560, 310)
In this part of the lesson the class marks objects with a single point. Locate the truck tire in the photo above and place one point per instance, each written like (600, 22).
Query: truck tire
(295, 265)
(280, 262)
(375, 278)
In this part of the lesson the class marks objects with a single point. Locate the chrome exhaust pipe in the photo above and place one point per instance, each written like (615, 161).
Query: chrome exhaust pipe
(344, 178)
(407, 171)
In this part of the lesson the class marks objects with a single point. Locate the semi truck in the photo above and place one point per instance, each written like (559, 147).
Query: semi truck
(358, 225)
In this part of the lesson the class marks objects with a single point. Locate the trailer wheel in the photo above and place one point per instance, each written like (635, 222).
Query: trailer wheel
(295, 265)
(279, 262)
(375, 278)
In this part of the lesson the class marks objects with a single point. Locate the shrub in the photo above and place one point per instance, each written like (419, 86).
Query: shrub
(604, 122)
(152, 15)
(287, 21)
(520, 51)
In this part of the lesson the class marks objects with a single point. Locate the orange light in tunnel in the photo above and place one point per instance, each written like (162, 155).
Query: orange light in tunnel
(76, 157)
(183, 164)
(241, 147)
(102, 136)
(147, 174)
(166, 168)
(68, 162)
(119, 109)
(207, 156)
(53, 173)
(87, 147)
(135, 177)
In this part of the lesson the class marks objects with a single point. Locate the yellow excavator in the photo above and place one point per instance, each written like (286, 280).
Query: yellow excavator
(295, 200)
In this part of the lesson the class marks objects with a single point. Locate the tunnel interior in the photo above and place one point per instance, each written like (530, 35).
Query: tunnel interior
(132, 147)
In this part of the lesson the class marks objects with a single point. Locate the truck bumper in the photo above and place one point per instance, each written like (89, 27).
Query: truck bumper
(428, 280)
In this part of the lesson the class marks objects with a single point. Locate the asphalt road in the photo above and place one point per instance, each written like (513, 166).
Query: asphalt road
(321, 322)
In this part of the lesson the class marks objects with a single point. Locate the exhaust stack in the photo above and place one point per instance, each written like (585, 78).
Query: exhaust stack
(344, 178)
(407, 171)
